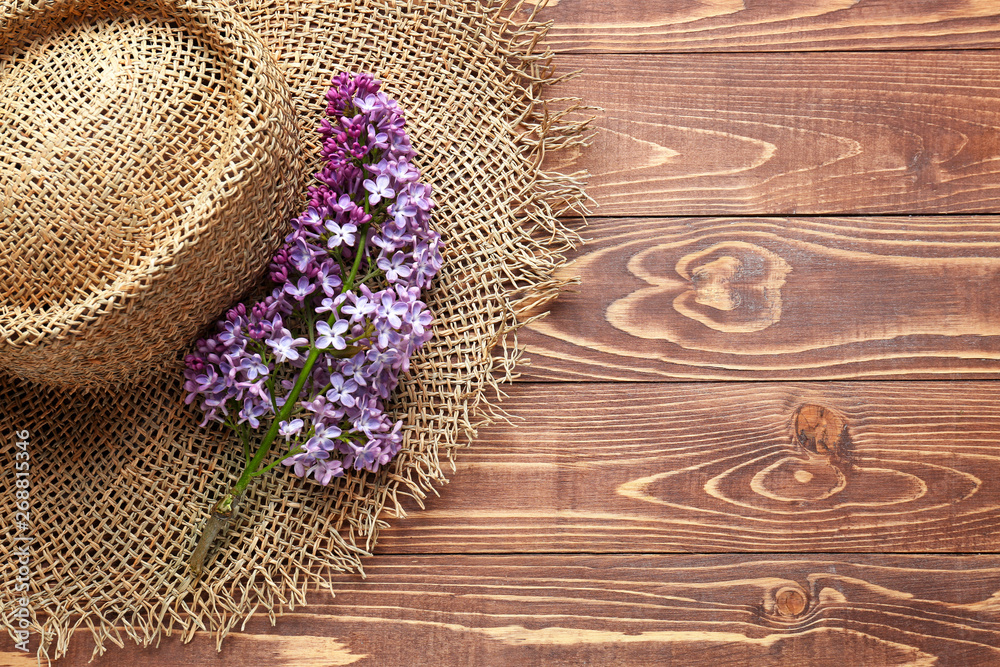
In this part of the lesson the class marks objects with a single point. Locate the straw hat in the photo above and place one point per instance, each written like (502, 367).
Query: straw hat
(148, 155)
(122, 476)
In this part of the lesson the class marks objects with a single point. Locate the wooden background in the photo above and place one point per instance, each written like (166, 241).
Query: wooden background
(765, 429)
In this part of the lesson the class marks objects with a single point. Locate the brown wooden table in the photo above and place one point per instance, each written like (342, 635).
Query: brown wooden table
(765, 429)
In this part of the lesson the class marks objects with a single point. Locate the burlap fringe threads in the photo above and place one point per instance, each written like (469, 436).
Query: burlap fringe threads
(124, 484)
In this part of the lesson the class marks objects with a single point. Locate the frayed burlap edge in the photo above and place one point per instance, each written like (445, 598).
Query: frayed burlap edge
(227, 601)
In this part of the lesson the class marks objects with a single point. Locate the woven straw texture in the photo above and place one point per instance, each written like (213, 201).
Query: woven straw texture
(148, 163)
(122, 481)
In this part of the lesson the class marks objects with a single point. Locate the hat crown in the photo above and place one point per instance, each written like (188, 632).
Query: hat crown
(148, 161)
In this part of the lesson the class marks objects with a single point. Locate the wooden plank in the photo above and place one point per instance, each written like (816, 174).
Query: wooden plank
(777, 133)
(725, 467)
(571, 609)
(776, 298)
(650, 26)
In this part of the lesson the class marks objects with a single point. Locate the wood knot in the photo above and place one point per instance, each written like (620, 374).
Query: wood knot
(790, 601)
(736, 287)
(821, 431)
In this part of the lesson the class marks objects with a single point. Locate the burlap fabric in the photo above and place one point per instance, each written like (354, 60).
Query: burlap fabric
(121, 481)
(137, 140)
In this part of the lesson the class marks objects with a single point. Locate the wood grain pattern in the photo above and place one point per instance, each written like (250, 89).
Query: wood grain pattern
(641, 610)
(776, 298)
(725, 467)
(722, 134)
(650, 26)
(557, 541)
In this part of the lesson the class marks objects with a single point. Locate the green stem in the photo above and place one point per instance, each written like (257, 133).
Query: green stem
(362, 237)
(273, 464)
(225, 509)
(286, 410)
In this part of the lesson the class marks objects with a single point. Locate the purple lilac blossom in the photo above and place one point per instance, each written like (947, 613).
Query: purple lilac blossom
(366, 227)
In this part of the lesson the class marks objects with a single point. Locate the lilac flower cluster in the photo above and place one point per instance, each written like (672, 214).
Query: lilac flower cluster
(345, 310)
